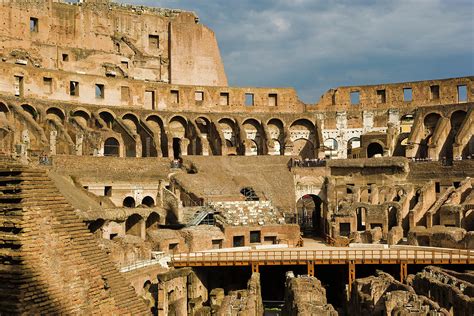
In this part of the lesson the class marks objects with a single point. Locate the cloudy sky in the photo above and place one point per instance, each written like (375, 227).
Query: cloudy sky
(314, 45)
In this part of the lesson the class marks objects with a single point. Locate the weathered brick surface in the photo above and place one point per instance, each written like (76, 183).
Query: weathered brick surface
(49, 262)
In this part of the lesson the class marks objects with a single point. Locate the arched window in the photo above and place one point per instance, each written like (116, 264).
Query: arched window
(129, 202)
(111, 147)
(148, 201)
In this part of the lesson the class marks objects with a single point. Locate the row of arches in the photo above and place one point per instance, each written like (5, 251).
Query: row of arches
(434, 126)
(129, 202)
(134, 225)
(129, 135)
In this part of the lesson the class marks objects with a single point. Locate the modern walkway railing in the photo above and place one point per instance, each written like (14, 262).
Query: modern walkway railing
(358, 256)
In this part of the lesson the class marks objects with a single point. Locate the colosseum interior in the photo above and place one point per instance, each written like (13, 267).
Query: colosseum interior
(134, 180)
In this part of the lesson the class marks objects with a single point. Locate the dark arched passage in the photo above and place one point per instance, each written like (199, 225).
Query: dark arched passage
(129, 202)
(374, 150)
(309, 214)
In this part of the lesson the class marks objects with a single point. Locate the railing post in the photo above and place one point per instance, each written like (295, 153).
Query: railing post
(255, 267)
(351, 274)
(310, 266)
(403, 271)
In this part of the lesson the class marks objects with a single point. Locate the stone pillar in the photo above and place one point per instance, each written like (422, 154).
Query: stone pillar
(79, 142)
(52, 142)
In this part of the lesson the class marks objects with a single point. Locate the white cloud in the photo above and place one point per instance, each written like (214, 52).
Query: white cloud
(317, 44)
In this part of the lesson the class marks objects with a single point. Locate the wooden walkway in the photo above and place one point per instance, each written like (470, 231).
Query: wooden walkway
(410, 255)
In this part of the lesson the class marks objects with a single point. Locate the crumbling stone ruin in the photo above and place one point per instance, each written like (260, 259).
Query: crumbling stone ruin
(123, 150)
(383, 295)
(304, 295)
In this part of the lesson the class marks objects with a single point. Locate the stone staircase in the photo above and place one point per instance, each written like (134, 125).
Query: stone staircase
(49, 262)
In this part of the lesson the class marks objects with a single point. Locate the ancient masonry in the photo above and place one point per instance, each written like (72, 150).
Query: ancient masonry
(134, 180)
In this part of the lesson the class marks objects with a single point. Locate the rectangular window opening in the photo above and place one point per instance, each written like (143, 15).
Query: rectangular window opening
(462, 93)
(150, 100)
(224, 98)
(434, 92)
(65, 57)
(355, 97)
(108, 191)
(437, 187)
(19, 86)
(270, 240)
(74, 88)
(99, 91)
(238, 241)
(199, 96)
(272, 99)
(173, 246)
(381, 96)
(456, 184)
(249, 99)
(48, 85)
(255, 236)
(174, 96)
(333, 99)
(407, 94)
(344, 229)
(216, 243)
(153, 41)
(34, 25)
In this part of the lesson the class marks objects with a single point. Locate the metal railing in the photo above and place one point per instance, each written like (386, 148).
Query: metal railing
(306, 163)
(336, 256)
(158, 259)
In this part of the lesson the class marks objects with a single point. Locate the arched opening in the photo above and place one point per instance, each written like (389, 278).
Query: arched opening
(111, 147)
(253, 130)
(129, 202)
(253, 150)
(229, 134)
(3, 114)
(457, 118)
(374, 150)
(352, 145)
(303, 148)
(148, 201)
(331, 147)
(309, 214)
(250, 194)
(276, 132)
(468, 221)
(302, 133)
(56, 112)
(152, 221)
(133, 225)
(81, 117)
(3, 108)
(392, 217)
(108, 118)
(31, 110)
(276, 147)
(406, 122)
(430, 122)
(176, 148)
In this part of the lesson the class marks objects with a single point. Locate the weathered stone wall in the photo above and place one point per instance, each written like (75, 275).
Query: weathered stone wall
(246, 302)
(100, 37)
(304, 295)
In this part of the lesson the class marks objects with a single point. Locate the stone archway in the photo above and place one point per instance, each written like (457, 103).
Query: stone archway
(309, 210)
